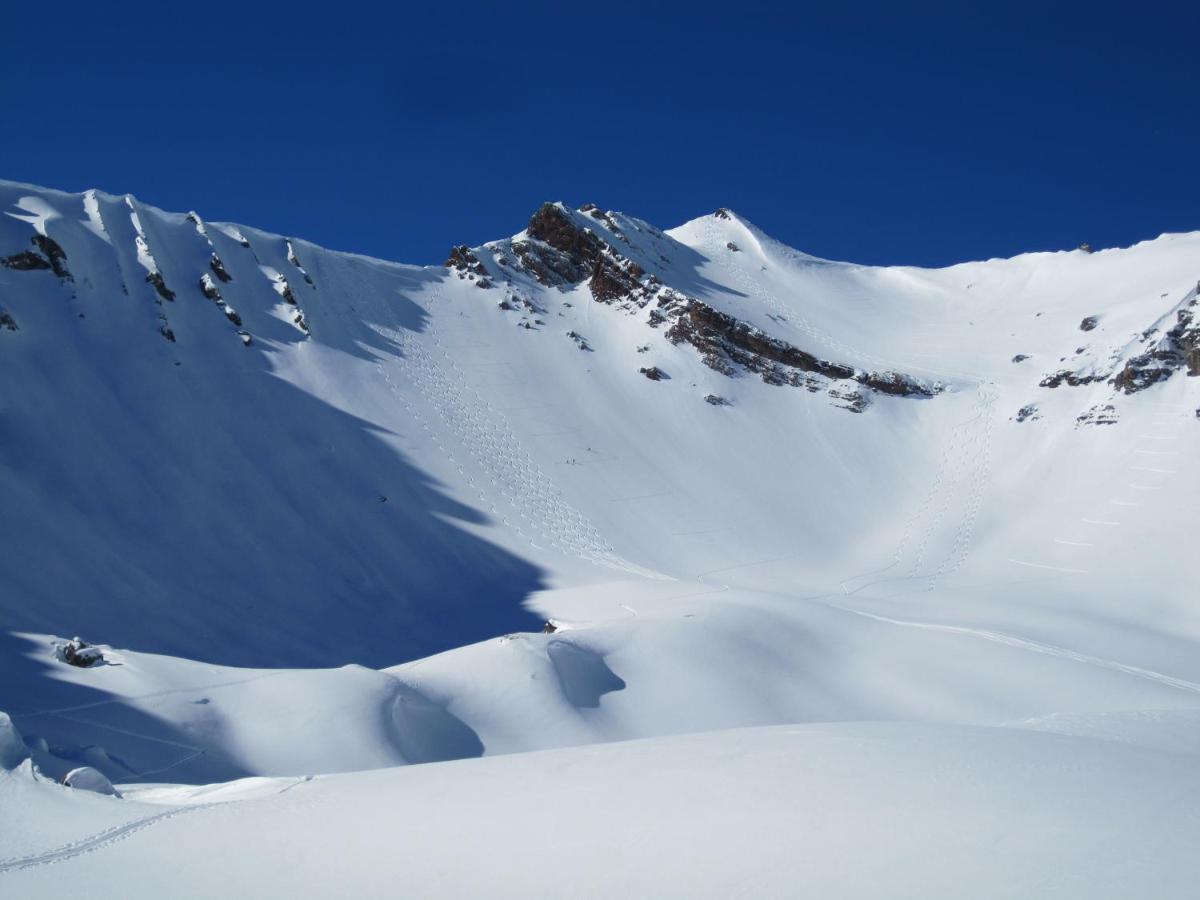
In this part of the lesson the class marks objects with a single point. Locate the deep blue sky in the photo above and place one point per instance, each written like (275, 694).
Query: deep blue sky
(928, 135)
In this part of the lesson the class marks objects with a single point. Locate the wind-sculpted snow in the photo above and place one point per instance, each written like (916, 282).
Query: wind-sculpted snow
(594, 482)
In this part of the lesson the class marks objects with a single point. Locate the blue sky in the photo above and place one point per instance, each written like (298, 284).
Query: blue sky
(926, 135)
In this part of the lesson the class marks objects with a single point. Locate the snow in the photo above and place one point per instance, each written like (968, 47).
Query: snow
(840, 810)
(924, 650)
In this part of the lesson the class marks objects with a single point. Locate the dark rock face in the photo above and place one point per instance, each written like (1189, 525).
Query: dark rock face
(55, 254)
(1073, 379)
(210, 290)
(1178, 349)
(7, 322)
(218, 269)
(852, 400)
(654, 373)
(80, 654)
(49, 255)
(721, 213)
(25, 261)
(1020, 358)
(725, 343)
(562, 248)
(721, 337)
(1089, 323)
(1028, 413)
(559, 252)
(894, 383)
(167, 333)
(716, 400)
(1101, 414)
(463, 261)
(155, 279)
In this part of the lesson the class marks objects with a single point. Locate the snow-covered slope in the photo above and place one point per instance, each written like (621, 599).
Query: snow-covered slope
(315, 507)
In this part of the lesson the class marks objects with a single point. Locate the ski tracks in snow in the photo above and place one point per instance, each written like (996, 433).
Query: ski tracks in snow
(483, 432)
(97, 841)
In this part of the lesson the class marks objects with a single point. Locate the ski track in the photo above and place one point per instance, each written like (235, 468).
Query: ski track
(95, 842)
(483, 432)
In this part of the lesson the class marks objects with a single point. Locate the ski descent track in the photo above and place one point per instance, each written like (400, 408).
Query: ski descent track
(541, 515)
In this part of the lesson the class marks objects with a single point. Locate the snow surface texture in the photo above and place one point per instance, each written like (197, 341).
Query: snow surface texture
(311, 509)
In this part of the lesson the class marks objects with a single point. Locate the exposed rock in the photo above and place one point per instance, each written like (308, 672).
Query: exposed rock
(1086, 248)
(895, 384)
(247, 340)
(167, 333)
(25, 261)
(579, 340)
(1178, 349)
(609, 282)
(549, 627)
(295, 261)
(721, 337)
(852, 400)
(1020, 358)
(55, 254)
(218, 269)
(1028, 413)
(79, 653)
(7, 322)
(732, 246)
(1073, 379)
(558, 251)
(464, 261)
(210, 290)
(1101, 414)
(654, 373)
(155, 279)
(301, 322)
(716, 400)
(1089, 323)
(721, 213)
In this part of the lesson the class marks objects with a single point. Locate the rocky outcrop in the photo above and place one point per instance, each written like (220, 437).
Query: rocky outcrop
(726, 343)
(722, 339)
(1179, 348)
(49, 255)
(218, 269)
(1101, 414)
(156, 281)
(55, 254)
(1073, 379)
(895, 384)
(25, 261)
(7, 322)
(559, 251)
(464, 261)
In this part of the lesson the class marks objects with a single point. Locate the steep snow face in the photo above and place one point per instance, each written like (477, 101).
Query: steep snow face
(748, 485)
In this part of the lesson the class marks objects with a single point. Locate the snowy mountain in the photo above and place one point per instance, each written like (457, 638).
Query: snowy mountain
(894, 562)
